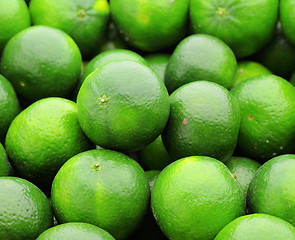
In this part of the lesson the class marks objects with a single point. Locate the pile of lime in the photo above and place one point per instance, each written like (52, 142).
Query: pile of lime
(147, 120)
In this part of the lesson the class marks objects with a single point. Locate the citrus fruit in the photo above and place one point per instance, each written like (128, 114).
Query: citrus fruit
(5, 167)
(123, 106)
(204, 121)
(9, 105)
(75, 231)
(152, 175)
(14, 17)
(257, 226)
(84, 20)
(25, 211)
(195, 197)
(272, 191)
(243, 170)
(115, 192)
(158, 62)
(267, 105)
(150, 25)
(247, 69)
(111, 56)
(200, 57)
(43, 136)
(244, 26)
(287, 10)
(154, 156)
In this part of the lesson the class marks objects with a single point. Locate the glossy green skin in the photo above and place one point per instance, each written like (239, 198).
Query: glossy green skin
(195, 197)
(115, 193)
(243, 170)
(154, 156)
(267, 105)
(271, 191)
(204, 121)
(246, 26)
(5, 167)
(43, 137)
(257, 226)
(9, 105)
(87, 30)
(287, 10)
(200, 57)
(247, 69)
(150, 25)
(42, 62)
(158, 62)
(135, 110)
(111, 56)
(25, 211)
(14, 17)
(75, 231)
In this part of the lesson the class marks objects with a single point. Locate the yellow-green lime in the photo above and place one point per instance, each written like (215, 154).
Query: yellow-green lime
(5, 167)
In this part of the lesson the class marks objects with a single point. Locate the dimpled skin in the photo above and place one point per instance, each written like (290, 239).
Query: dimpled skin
(267, 105)
(204, 121)
(245, 26)
(257, 226)
(115, 192)
(43, 136)
(272, 191)
(42, 62)
(75, 231)
(150, 25)
(5, 168)
(9, 105)
(200, 57)
(14, 17)
(123, 106)
(158, 62)
(287, 10)
(195, 197)
(25, 211)
(111, 56)
(84, 20)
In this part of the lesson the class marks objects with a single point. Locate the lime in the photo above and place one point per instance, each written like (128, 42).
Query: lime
(152, 175)
(158, 62)
(287, 10)
(5, 167)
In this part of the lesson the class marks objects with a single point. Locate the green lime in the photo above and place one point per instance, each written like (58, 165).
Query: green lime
(14, 17)
(246, 26)
(75, 231)
(123, 106)
(195, 197)
(200, 57)
(84, 20)
(267, 105)
(204, 121)
(158, 62)
(115, 192)
(152, 175)
(150, 25)
(272, 191)
(25, 211)
(9, 105)
(42, 62)
(257, 226)
(292, 79)
(247, 69)
(44, 136)
(287, 10)
(5, 167)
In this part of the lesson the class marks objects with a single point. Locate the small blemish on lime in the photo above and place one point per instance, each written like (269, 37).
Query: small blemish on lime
(81, 13)
(185, 121)
(22, 84)
(235, 175)
(251, 117)
(221, 12)
(96, 167)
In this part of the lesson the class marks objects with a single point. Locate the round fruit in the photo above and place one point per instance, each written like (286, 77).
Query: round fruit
(9, 105)
(115, 192)
(111, 56)
(158, 62)
(244, 26)
(243, 170)
(257, 226)
(150, 25)
(5, 167)
(123, 106)
(43, 137)
(272, 191)
(75, 231)
(42, 62)
(267, 105)
(84, 20)
(247, 69)
(14, 17)
(25, 211)
(204, 121)
(287, 10)
(200, 57)
(195, 197)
